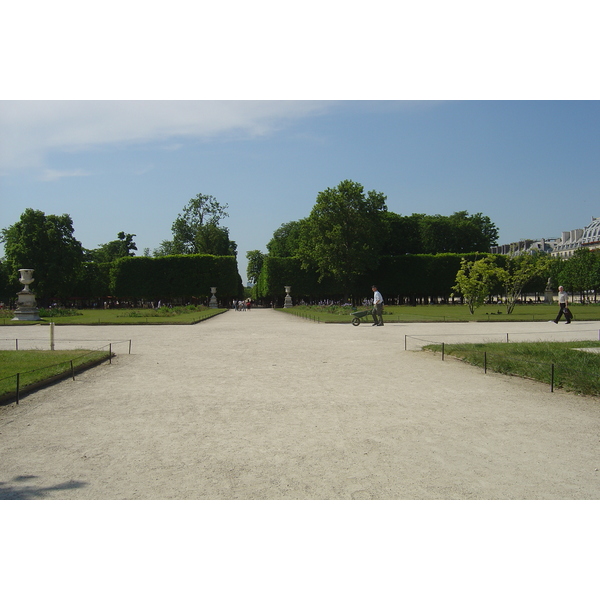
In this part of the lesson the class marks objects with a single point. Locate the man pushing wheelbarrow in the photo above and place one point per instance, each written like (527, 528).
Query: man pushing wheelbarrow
(377, 307)
(377, 311)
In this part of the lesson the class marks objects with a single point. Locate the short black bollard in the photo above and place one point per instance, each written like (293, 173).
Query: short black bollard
(18, 381)
(552, 378)
(485, 362)
(442, 350)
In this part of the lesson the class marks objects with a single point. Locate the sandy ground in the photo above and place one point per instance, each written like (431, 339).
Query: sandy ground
(263, 405)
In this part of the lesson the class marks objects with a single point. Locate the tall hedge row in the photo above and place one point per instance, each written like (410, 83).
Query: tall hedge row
(408, 276)
(179, 276)
(276, 273)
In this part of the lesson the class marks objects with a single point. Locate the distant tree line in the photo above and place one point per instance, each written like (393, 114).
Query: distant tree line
(199, 255)
(350, 240)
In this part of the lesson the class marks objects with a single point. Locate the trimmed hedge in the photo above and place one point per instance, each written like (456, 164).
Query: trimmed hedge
(179, 276)
(409, 276)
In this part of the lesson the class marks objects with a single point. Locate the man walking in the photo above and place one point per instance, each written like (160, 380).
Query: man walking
(563, 302)
(377, 307)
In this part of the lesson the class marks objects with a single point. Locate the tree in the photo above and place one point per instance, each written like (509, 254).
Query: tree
(197, 230)
(518, 271)
(46, 244)
(286, 240)
(580, 273)
(402, 234)
(460, 233)
(4, 283)
(256, 260)
(342, 236)
(109, 252)
(475, 279)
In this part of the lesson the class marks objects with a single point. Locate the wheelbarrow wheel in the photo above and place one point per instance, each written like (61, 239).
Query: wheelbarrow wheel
(355, 321)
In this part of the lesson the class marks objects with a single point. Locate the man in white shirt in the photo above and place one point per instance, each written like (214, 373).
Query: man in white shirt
(377, 307)
(563, 301)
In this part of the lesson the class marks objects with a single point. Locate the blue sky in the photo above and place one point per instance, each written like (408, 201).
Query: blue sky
(532, 166)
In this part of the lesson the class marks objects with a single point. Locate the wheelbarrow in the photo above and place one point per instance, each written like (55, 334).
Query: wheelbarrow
(358, 315)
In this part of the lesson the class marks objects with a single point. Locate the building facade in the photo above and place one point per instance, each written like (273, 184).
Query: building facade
(563, 247)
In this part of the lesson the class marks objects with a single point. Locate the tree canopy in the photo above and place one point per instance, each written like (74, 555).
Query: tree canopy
(111, 251)
(475, 279)
(348, 233)
(342, 235)
(256, 260)
(45, 243)
(197, 230)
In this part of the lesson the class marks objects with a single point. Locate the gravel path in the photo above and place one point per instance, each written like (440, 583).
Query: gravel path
(263, 405)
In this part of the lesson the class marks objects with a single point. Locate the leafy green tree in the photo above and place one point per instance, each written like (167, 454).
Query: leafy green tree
(342, 235)
(197, 230)
(286, 240)
(256, 260)
(46, 244)
(5, 287)
(581, 272)
(475, 280)
(402, 234)
(109, 252)
(212, 239)
(460, 233)
(518, 271)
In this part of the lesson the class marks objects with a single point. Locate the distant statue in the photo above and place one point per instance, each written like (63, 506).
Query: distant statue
(548, 293)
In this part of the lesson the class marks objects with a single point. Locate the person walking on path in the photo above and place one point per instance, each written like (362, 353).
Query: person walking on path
(563, 301)
(377, 307)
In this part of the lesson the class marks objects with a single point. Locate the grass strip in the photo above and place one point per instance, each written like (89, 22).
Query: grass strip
(35, 366)
(574, 370)
(445, 313)
(124, 316)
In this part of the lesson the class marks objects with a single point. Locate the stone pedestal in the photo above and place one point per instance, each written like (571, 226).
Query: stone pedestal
(548, 293)
(213, 299)
(288, 299)
(26, 306)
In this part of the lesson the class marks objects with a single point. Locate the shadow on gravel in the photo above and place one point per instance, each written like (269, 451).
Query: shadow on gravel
(19, 488)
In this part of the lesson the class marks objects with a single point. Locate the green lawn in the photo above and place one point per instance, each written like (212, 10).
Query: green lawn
(39, 365)
(573, 370)
(446, 313)
(124, 316)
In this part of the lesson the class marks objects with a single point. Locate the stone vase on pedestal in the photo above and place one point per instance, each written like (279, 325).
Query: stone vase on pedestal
(213, 299)
(288, 299)
(26, 306)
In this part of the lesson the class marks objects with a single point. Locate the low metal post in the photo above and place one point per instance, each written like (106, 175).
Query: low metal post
(110, 354)
(485, 362)
(16, 344)
(552, 379)
(129, 346)
(18, 385)
(405, 340)
(442, 350)
(72, 371)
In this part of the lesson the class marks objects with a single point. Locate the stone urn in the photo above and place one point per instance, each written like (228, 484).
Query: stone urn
(288, 299)
(26, 306)
(213, 299)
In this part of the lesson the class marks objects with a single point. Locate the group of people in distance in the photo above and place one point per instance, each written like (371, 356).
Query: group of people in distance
(241, 304)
